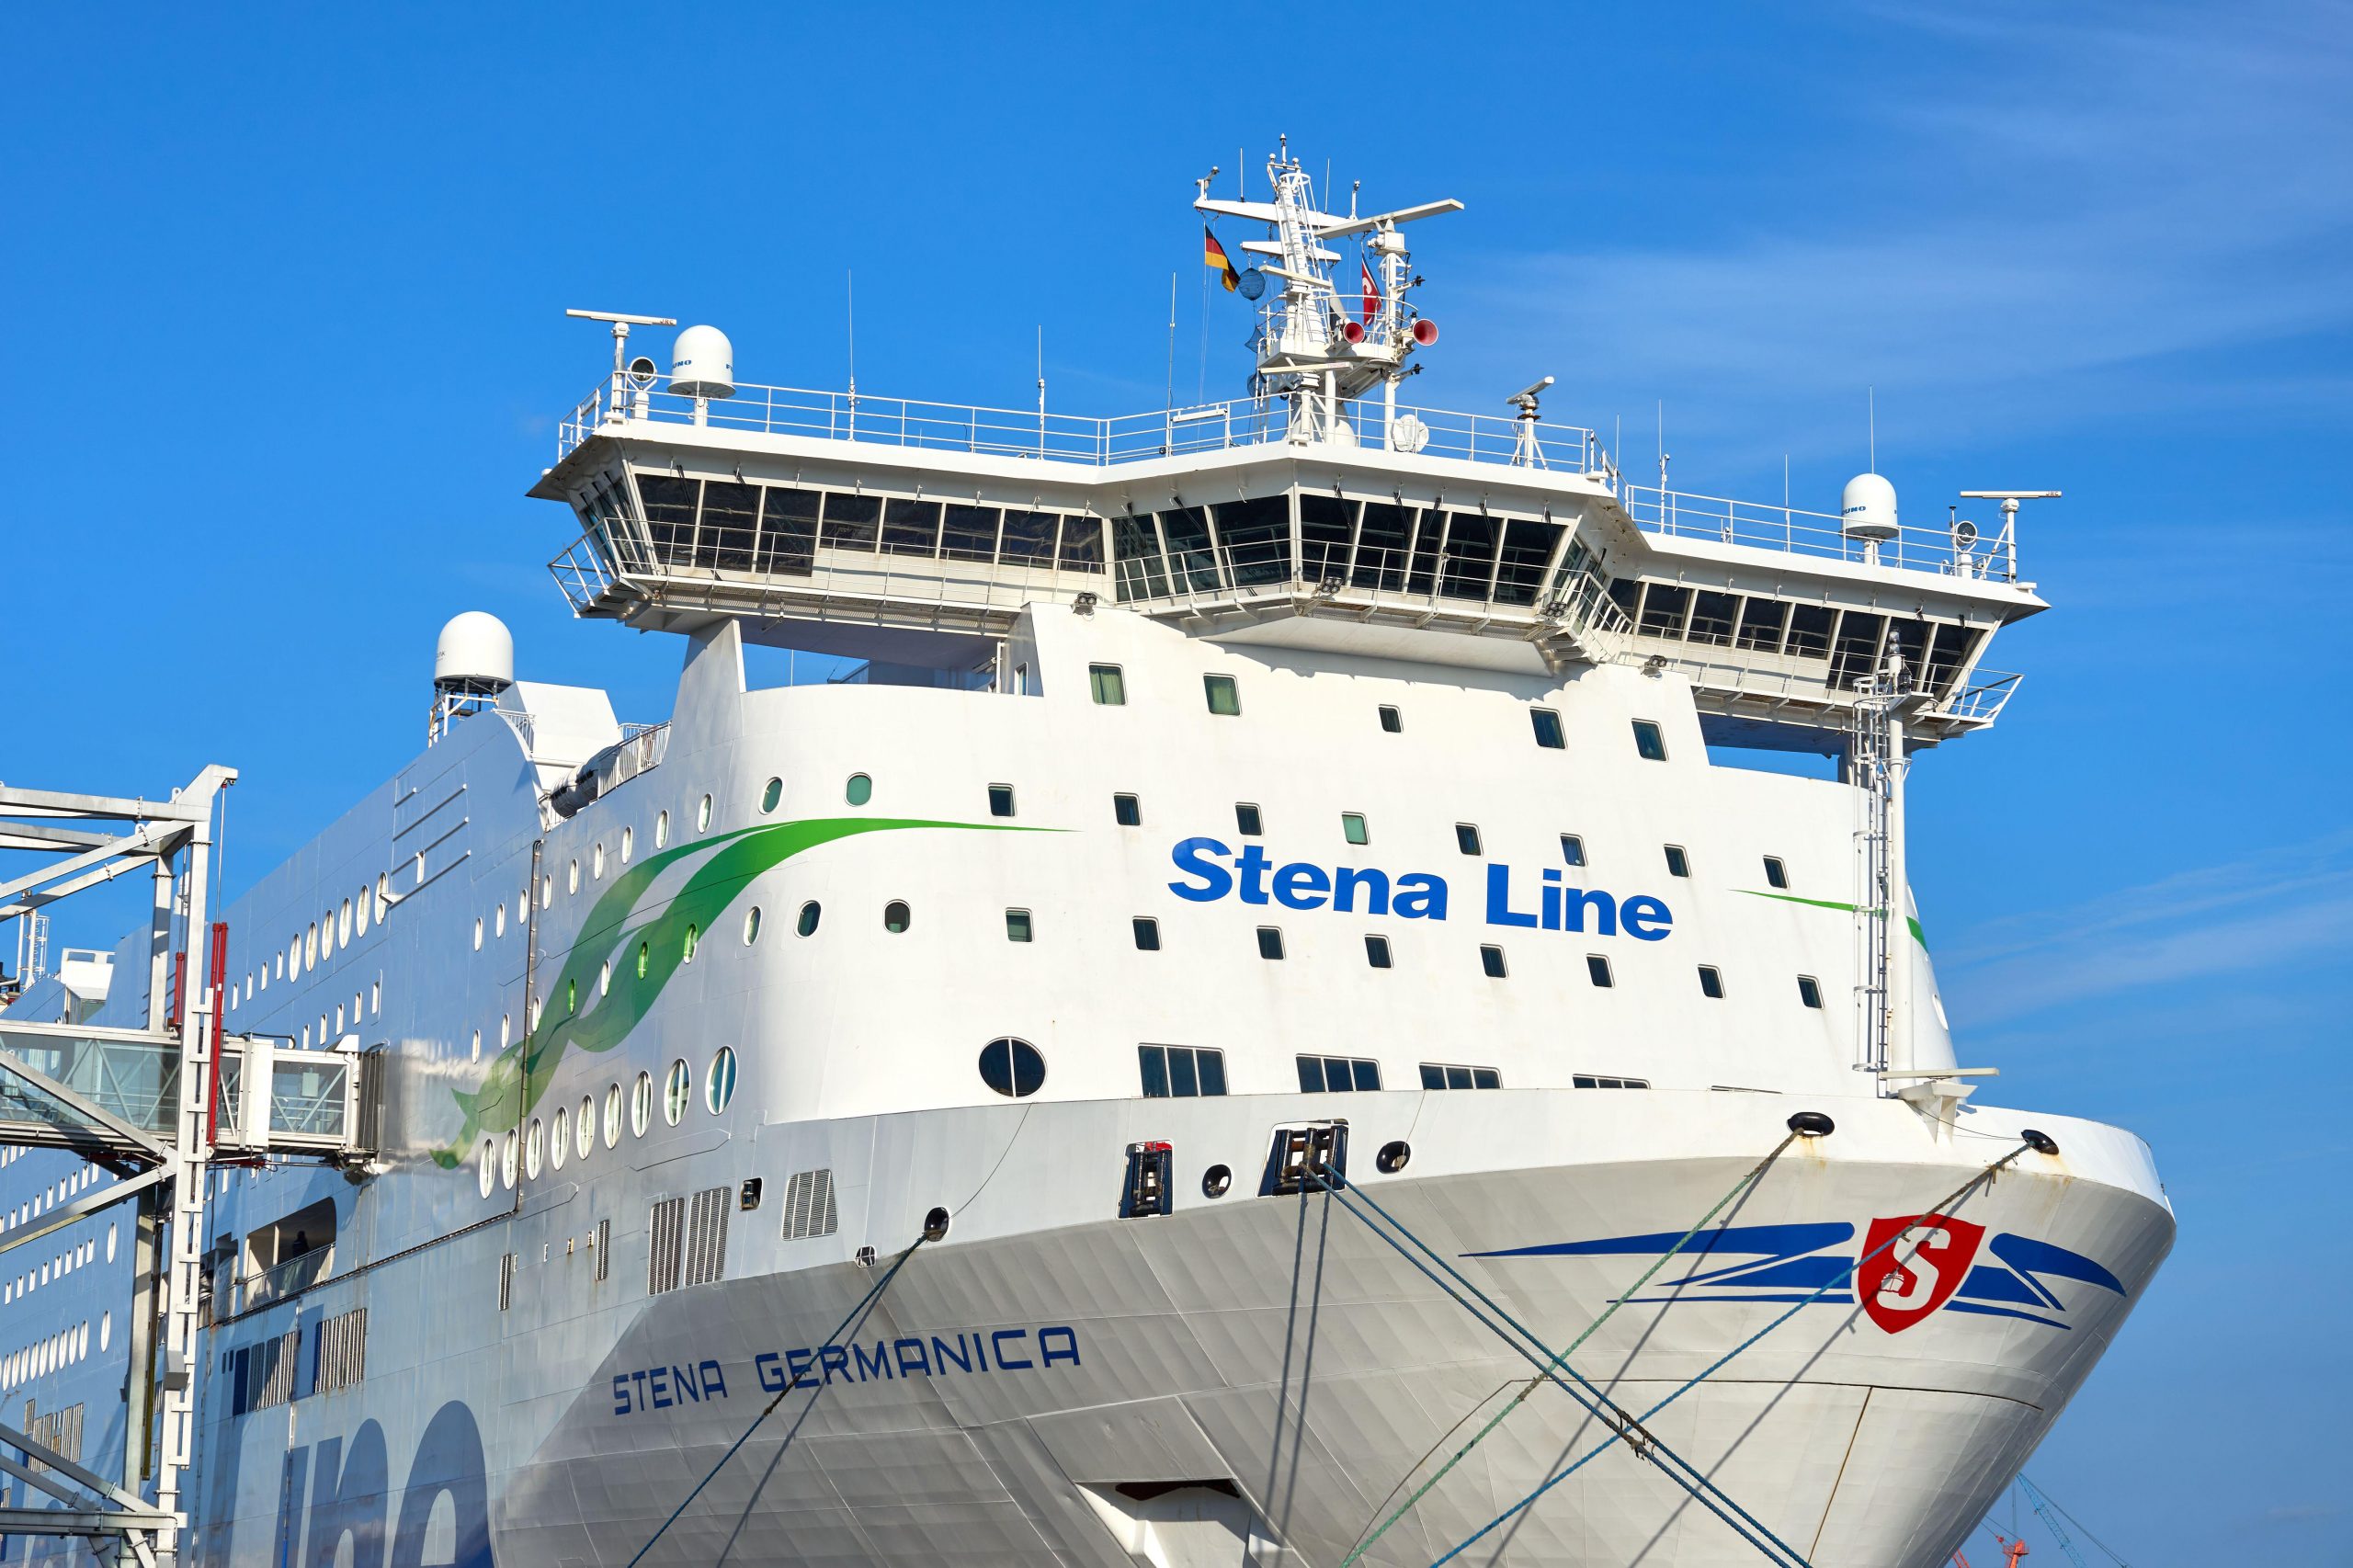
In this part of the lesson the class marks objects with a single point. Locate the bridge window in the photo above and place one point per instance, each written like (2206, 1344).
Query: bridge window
(1376, 951)
(1324, 531)
(1392, 720)
(787, 531)
(1472, 540)
(1026, 537)
(1177, 1071)
(1446, 1075)
(1246, 821)
(1776, 874)
(1224, 698)
(1082, 546)
(1809, 991)
(1665, 609)
(1127, 811)
(1016, 926)
(1491, 961)
(851, 521)
(1147, 933)
(1808, 632)
(968, 533)
(1253, 536)
(1711, 981)
(1677, 863)
(1519, 566)
(1270, 942)
(1597, 969)
(1012, 1067)
(1760, 625)
(1858, 648)
(1000, 800)
(730, 519)
(1711, 617)
(1337, 1074)
(1108, 686)
(1648, 742)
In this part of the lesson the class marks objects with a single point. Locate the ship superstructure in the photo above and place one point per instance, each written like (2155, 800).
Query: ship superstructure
(1251, 823)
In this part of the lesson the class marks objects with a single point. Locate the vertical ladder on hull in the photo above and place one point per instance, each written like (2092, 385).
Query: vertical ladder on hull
(1873, 766)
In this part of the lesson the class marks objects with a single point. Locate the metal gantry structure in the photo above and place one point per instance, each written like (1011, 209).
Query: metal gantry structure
(151, 1104)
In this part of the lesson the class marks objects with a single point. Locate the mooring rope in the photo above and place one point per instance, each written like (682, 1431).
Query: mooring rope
(1843, 1275)
(1558, 1359)
(790, 1383)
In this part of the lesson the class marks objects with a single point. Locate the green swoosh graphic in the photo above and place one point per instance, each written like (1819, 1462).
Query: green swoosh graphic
(1917, 935)
(520, 1076)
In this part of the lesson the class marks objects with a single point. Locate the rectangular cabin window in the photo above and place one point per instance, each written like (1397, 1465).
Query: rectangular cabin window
(1548, 728)
(1337, 1074)
(1449, 1075)
(1711, 981)
(1392, 721)
(1224, 697)
(1491, 961)
(1177, 1071)
(1599, 1081)
(1572, 849)
(1677, 863)
(1246, 821)
(1017, 924)
(1108, 686)
(1352, 828)
(1776, 874)
(1809, 991)
(1711, 618)
(1466, 837)
(910, 528)
(1127, 811)
(1270, 942)
(1147, 933)
(1000, 800)
(1597, 969)
(1648, 742)
(851, 521)
(1376, 951)
(968, 533)
(1760, 625)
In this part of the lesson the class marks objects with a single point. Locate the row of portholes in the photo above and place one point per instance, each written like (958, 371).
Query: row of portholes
(63, 1348)
(50, 1196)
(572, 1133)
(80, 1255)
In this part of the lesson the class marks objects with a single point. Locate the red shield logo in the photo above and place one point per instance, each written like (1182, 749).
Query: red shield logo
(1911, 1264)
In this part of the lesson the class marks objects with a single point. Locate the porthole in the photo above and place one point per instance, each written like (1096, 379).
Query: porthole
(771, 795)
(612, 1114)
(604, 978)
(661, 829)
(109, 1243)
(583, 1126)
(1012, 1067)
(702, 815)
(106, 1331)
(476, 1054)
(629, 844)
(506, 1029)
(596, 863)
(897, 916)
(751, 924)
(572, 878)
(676, 1092)
(534, 1148)
(547, 894)
(498, 925)
(327, 933)
(560, 1139)
(506, 1158)
(860, 790)
(720, 1087)
(686, 947)
(810, 912)
(644, 958)
(359, 913)
(1215, 1180)
(570, 997)
(641, 1104)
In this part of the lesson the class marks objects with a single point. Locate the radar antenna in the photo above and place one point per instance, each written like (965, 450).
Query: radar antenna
(1312, 349)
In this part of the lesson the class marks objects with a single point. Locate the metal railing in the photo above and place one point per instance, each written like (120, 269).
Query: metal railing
(1983, 700)
(276, 1283)
(1078, 438)
(1792, 529)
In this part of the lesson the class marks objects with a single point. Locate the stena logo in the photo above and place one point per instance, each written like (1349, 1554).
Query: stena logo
(1209, 870)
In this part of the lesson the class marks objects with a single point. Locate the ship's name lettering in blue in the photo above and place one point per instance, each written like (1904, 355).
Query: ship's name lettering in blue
(1209, 872)
(814, 1366)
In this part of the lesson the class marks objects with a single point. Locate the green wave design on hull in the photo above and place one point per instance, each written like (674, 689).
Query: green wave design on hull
(1917, 935)
(520, 1074)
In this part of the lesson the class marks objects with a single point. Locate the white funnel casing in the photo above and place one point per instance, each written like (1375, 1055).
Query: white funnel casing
(1867, 508)
(702, 363)
(475, 650)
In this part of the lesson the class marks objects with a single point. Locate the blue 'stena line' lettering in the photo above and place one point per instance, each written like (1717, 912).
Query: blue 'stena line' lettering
(1205, 876)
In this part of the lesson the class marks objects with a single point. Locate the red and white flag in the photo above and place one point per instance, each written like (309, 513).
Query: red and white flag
(1371, 293)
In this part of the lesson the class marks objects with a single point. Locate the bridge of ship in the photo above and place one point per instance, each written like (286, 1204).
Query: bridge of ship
(916, 533)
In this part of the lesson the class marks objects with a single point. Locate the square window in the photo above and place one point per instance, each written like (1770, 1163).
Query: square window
(1127, 811)
(1212, 1066)
(1376, 951)
(1182, 1082)
(1584, 1081)
(1368, 1073)
(1147, 931)
(1433, 1076)
(1648, 742)
(1017, 924)
(1458, 1077)
(1548, 728)
(1392, 720)
(1711, 981)
(1000, 800)
(1110, 687)
(1572, 849)
(1491, 958)
(1677, 863)
(1352, 828)
(1466, 837)
(1597, 969)
(1246, 821)
(1776, 874)
(1224, 698)
(1809, 991)
(1311, 1074)
(1270, 942)
(1486, 1078)
(1155, 1062)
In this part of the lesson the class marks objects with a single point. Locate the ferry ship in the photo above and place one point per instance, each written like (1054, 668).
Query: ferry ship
(1268, 1021)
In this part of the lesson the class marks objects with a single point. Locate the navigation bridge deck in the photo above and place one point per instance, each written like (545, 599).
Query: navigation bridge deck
(916, 532)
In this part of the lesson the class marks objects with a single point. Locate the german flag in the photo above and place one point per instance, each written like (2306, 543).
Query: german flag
(1213, 254)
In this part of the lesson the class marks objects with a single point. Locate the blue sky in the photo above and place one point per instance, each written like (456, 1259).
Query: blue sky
(287, 290)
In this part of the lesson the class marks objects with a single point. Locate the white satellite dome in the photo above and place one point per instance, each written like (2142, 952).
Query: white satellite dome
(475, 650)
(1867, 508)
(702, 363)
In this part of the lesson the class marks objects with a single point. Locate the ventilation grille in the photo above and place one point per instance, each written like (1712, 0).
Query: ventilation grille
(339, 1351)
(707, 1234)
(664, 1235)
(604, 1249)
(505, 1280)
(60, 1431)
(265, 1372)
(809, 1205)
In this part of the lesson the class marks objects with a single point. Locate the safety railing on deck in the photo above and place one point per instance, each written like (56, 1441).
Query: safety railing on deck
(1679, 514)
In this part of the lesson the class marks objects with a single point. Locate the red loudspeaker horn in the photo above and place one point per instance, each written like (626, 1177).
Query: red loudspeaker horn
(1426, 331)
